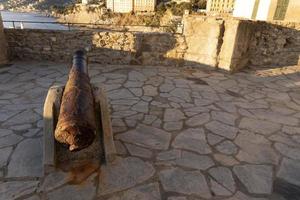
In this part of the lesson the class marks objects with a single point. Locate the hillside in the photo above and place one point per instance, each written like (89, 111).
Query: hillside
(31, 5)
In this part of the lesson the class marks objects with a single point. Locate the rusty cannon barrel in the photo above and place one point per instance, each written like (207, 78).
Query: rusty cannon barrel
(76, 121)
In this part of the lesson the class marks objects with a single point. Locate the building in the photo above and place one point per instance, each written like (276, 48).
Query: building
(287, 10)
(220, 6)
(126, 6)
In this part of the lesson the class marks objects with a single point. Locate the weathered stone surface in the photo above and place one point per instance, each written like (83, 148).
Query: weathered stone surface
(259, 126)
(173, 115)
(141, 106)
(144, 192)
(4, 154)
(289, 171)
(287, 151)
(86, 190)
(194, 161)
(241, 196)
(224, 177)
(27, 116)
(16, 189)
(198, 120)
(214, 139)
(184, 182)
(257, 179)
(192, 139)
(183, 94)
(136, 76)
(222, 129)
(173, 126)
(225, 160)
(55, 180)
(138, 151)
(227, 147)
(147, 136)
(224, 117)
(120, 94)
(255, 149)
(26, 159)
(123, 174)
(149, 90)
(5, 114)
(218, 189)
(169, 155)
(5, 132)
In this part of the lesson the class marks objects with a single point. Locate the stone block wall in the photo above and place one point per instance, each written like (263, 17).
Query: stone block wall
(105, 47)
(3, 45)
(203, 37)
(275, 44)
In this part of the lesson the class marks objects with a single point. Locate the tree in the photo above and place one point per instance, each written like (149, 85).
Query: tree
(199, 4)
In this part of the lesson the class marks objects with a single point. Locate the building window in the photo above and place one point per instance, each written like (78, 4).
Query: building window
(281, 9)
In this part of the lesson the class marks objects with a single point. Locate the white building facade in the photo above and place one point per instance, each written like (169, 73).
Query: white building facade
(126, 6)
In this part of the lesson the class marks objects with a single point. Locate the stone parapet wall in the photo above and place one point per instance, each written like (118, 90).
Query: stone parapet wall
(275, 44)
(105, 47)
(3, 44)
(229, 44)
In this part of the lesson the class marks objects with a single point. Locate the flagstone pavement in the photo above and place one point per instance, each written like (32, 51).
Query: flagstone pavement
(180, 134)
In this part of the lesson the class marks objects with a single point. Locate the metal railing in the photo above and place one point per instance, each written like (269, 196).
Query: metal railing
(78, 26)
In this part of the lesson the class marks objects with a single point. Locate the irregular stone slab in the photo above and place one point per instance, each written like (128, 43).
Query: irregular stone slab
(218, 189)
(120, 94)
(287, 151)
(173, 115)
(144, 192)
(169, 155)
(289, 171)
(177, 198)
(224, 117)
(198, 120)
(16, 189)
(276, 117)
(26, 160)
(5, 132)
(10, 140)
(147, 136)
(141, 106)
(25, 117)
(137, 91)
(257, 179)
(150, 90)
(192, 139)
(55, 180)
(138, 151)
(86, 191)
(227, 147)
(136, 76)
(241, 196)
(222, 129)
(259, 126)
(225, 160)
(173, 126)
(224, 177)
(255, 149)
(5, 114)
(166, 87)
(184, 182)
(194, 161)
(4, 154)
(123, 174)
(214, 139)
(182, 93)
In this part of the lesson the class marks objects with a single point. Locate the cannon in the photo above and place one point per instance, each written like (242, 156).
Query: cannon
(77, 125)
(76, 122)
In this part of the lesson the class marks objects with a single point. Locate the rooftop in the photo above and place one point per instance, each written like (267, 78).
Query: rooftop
(180, 133)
